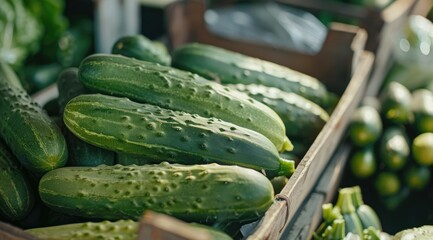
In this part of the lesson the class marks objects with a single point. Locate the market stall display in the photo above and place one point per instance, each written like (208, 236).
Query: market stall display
(227, 138)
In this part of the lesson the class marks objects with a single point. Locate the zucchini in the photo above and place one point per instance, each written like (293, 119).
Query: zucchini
(422, 149)
(141, 48)
(178, 90)
(303, 118)
(16, 195)
(32, 136)
(229, 67)
(120, 125)
(208, 193)
(122, 229)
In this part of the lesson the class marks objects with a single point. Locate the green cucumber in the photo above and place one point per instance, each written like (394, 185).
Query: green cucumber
(120, 125)
(8, 75)
(178, 90)
(422, 108)
(394, 148)
(363, 162)
(230, 67)
(80, 152)
(141, 48)
(421, 233)
(200, 193)
(303, 118)
(365, 126)
(395, 102)
(31, 135)
(122, 229)
(85, 154)
(16, 195)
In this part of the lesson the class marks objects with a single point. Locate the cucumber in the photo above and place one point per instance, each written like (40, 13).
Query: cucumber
(178, 90)
(120, 125)
(394, 148)
(80, 152)
(363, 163)
(32, 136)
(16, 195)
(85, 154)
(208, 193)
(422, 107)
(8, 75)
(395, 102)
(122, 229)
(230, 67)
(365, 126)
(303, 118)
(141, 48)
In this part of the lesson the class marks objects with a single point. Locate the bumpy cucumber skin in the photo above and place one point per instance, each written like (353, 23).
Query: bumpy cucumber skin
(32, 136)
(201, 193)
(141, 48)
(231, 68)
(303, 118)
(122, 229)
(178, 90)
(16, 195)
(121, 125)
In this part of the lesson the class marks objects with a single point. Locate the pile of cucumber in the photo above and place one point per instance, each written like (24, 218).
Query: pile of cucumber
(130, 133)
(393, 142)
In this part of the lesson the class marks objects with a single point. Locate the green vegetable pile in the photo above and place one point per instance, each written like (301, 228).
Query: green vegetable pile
(393, 142)
(348, 218)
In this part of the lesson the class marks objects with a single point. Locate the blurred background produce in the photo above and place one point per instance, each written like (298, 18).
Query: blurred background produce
(38, 40)
(392, 134)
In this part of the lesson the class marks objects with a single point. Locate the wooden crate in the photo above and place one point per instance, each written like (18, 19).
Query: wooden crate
(342, 64)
